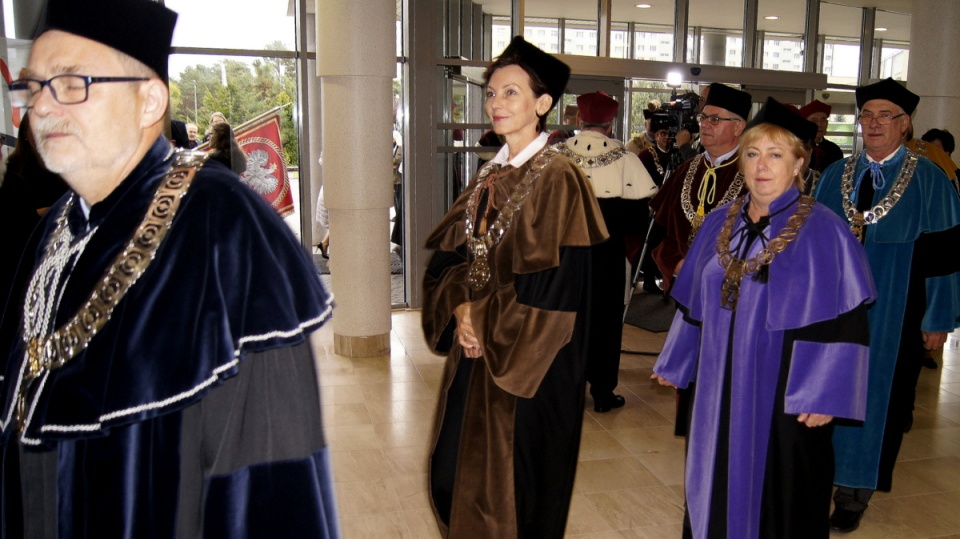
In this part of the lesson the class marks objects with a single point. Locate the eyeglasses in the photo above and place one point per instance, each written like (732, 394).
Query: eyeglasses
(883, 118)
(715, 120)
(66, 89)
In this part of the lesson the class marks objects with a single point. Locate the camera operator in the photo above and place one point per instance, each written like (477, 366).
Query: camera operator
(663, 157)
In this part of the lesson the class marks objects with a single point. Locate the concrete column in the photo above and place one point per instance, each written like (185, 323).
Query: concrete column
(356, 61)
(932, 73)
(714, 49)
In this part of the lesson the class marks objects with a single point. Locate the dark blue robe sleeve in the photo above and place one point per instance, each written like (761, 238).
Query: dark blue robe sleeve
(254, 459)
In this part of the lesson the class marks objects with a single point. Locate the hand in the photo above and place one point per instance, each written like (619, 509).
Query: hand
(679, 265)
(661, 380)
(466, 336)
(683, 137)
(934, 340)
(814, 420)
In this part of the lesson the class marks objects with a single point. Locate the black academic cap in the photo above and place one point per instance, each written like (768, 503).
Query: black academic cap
(138, 28)
(890, 90)
(776, 113)
(725, 97)
(551, 71)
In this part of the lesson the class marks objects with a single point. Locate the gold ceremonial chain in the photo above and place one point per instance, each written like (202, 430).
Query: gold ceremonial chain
(479, 273)
(859, 219)
(656, 161)
(47, 352)
(696, 217)
(598, 161)
(814, 177)
(736, 268)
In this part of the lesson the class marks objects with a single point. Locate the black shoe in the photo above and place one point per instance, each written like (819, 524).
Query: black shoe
(929, 362)
(845, 521)
(909, 424)
(605, 404)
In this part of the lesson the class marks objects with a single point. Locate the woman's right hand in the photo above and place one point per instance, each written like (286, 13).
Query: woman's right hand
(661, 380)
(465, 334)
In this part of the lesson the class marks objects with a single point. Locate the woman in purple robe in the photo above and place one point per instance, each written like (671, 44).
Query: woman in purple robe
(772, 327)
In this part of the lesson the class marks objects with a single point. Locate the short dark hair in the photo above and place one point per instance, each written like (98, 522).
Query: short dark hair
(945, 137)
(536, 84)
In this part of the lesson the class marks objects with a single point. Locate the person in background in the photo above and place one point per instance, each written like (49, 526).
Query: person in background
(775, 336)
(903, 210)
(215, 118)
(623, 189)
(824, 152)
(945, 141)
(158, 379)
(702, 183)
(505, 300)
(192, 133)
(224, 149)
(933, 152)
(645, 140)
(571, 117)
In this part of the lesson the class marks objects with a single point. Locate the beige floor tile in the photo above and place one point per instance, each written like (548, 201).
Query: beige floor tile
(583, 519)
(665, 531)
(613, 474)
(411, 490)
(397, 391)
(402, 411)
(635, 414)
(352, 438)
(376, 526)
(366, 497)
(638, 507)
(929, 515)
(649, 440)
(422, 524)
(408, 460)
(360, 465)
(351, 394)
(667, 466)
(346, 415)
(406, 434)
(600, 445)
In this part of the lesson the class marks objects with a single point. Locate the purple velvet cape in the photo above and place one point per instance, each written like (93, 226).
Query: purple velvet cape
(229, 280)
(820, 276)
(928, 205)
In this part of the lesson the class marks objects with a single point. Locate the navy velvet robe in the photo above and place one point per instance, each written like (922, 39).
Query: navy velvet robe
(195, 410)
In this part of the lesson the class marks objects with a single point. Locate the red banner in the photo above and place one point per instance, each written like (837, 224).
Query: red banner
(266, 169)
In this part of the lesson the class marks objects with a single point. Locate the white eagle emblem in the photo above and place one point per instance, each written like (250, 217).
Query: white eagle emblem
(258, 176)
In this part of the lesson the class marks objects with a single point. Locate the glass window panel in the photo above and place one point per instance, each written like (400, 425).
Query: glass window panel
(721, 40)
(544, 33)
(233, 24)
(580, 37)
(840, 26)
(619, 40)
(895, 44)
(500, 35)
(784, 53)
(653, 29)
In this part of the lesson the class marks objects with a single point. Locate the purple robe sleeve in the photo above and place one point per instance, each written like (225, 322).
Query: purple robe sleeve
(678, 361)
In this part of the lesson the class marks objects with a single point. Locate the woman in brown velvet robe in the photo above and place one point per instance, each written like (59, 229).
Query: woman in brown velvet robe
(505, 297)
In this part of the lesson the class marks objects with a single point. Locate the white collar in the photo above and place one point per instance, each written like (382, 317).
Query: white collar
(524, 156)
(885, 159)
(719, 161)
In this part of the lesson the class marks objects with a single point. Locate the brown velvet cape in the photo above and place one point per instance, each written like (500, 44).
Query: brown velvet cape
(669, 212)
(508, 424)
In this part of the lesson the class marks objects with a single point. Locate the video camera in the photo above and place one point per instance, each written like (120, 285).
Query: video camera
(682, 110)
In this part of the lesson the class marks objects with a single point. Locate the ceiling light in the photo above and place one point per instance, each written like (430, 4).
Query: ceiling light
(644, 6)
(880, 29)
(772, 18)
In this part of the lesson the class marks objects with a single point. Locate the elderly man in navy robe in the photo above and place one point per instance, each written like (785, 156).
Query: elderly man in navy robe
(903, 209)
(157, 379)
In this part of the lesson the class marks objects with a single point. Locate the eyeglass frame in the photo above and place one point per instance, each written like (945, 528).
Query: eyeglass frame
(715, 119)
(868, 120)
(87, 81)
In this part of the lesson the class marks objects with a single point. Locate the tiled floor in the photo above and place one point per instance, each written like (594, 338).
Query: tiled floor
(379, 419)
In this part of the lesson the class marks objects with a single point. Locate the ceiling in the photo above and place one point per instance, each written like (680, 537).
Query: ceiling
(841, 18)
